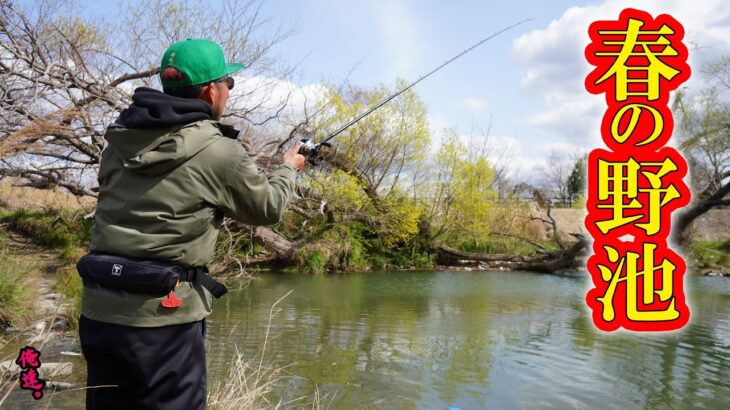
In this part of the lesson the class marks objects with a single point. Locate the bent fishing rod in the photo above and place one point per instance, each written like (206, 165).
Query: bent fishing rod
(311, 149)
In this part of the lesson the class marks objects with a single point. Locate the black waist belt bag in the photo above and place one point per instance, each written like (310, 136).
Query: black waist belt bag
(143, 275)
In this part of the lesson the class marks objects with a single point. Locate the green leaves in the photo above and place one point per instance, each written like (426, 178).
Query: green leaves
(464, 193)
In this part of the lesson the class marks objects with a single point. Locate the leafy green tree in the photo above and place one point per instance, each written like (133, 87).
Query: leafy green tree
(363, 176)
(577, 181)
(463, 198)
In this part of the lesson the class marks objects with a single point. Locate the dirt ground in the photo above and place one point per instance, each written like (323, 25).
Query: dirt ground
(713, 226)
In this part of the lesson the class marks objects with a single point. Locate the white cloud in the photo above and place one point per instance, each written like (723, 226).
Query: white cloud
(400, 37)
(562, 149)
(506, 152)
(474, 105)
(438, 124)
(266, 95)
(576, 118)
(502, 151)
(556, 67)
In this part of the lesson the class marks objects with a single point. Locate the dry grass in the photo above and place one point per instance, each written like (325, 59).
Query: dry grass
(7, 384)
(15, 198)
(251, 383)
(248, 385)
(16, 279)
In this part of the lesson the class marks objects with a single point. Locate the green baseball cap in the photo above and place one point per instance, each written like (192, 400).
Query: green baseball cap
(201, 61)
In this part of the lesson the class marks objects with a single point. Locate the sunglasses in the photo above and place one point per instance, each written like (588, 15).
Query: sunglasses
(228, 80)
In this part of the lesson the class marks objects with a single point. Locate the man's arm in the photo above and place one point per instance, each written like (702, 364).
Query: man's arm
(254, 198)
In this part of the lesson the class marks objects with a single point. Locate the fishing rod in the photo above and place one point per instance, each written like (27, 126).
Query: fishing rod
(311, 150)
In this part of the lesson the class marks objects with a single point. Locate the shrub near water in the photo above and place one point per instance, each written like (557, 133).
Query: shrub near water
(710, 254)
(316, 261)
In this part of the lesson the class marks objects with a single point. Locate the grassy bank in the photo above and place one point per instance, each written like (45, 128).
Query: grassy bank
(357, 247)
(328, 247)
(66, 233)
(706, 256)
(337, 247)
(65, 230)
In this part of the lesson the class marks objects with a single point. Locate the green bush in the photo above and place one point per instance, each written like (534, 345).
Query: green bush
(401, 259)
(423, 260)
(709, 254)
(357, 256)
(377, 262)
(316, 262)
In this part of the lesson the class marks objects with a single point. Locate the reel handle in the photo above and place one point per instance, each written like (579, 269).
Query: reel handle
(311, 150)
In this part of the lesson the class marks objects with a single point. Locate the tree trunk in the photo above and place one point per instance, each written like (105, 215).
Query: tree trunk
(282, 248)
(547, 263)
(685, 219)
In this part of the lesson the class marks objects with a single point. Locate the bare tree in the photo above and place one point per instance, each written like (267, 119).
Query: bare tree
(64, 78)
(704, 135)
(481, 143)
(555, 175)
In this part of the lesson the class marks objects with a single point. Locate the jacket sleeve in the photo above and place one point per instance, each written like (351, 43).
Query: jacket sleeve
(252, 197)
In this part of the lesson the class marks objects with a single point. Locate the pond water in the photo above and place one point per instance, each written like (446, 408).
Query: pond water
(469, 340)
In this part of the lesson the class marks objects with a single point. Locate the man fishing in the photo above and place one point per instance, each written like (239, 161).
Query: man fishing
(170, 173)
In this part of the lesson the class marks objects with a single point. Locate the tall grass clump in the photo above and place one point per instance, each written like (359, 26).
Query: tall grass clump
(254, 382)
(248, 384)
(15, 288)
(69, 283)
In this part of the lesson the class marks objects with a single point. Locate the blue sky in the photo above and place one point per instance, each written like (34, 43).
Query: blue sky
(529, 80)
(385, 40)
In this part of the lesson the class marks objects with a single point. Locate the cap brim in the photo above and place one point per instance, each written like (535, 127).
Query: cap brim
(233, 67)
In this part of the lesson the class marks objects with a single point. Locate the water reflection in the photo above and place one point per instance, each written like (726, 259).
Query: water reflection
(468, 340)
(475, 340)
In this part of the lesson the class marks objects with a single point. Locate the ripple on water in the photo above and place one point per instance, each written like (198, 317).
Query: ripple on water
(476, 340)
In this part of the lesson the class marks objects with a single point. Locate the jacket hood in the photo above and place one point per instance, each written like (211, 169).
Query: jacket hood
(154, 109)
(158, 132)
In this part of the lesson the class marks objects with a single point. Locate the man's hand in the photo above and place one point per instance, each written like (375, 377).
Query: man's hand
(294, 158)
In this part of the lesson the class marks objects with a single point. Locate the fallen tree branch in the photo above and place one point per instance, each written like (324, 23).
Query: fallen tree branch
(546, 263)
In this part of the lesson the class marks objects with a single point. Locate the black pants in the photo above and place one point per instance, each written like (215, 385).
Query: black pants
(152, 368)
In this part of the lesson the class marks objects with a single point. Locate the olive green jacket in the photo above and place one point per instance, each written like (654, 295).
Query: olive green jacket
(163, 194)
